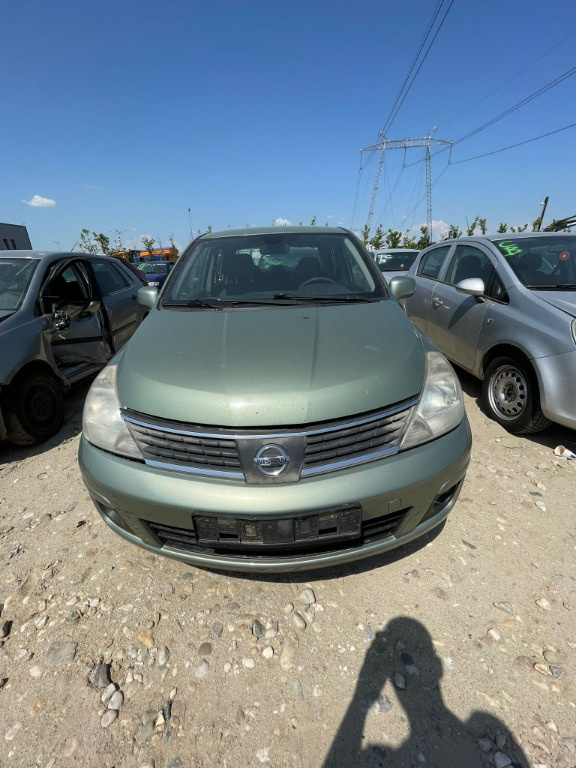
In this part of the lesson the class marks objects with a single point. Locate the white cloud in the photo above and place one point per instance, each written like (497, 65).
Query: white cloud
(282, 222)
(439, 230)
(40, 202)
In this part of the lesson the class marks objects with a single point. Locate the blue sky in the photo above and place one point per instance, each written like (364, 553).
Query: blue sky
(156, 119)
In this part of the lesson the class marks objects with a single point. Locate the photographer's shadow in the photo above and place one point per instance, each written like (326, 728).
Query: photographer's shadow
(403, 653)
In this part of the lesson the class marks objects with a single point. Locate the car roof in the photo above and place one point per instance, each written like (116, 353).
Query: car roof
(502, 236)
(52, 254)
(275, 231)
(395, 250)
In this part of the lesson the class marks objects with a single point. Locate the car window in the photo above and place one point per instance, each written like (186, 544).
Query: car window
(66, 286)
(495, 288)
(467, 262)
(432, 262)
(396, 262)
(15, 276)
(259, 267)
(110, 278)
(541, 261)
(155, 268)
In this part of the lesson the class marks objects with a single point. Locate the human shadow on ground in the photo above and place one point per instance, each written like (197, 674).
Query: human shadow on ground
(404, 654)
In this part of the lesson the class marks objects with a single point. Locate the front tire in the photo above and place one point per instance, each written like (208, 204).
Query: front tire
(510, 396)
(33, 409)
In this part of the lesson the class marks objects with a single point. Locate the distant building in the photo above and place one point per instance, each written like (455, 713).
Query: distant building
(14, 237)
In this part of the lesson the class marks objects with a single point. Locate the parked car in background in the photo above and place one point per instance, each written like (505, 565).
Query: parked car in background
(504, 308)
(291, 416)
(62, 317)
(155, 272)
(394, 261)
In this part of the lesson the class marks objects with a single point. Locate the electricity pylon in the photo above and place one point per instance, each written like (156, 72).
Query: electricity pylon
(384, 144)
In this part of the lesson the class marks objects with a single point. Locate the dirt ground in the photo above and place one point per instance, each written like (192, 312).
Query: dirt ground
(458, 651)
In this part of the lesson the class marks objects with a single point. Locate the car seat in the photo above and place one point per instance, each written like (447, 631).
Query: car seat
(529, 268)
(240, 273)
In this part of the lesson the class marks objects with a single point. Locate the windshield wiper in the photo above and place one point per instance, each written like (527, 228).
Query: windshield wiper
(192, 303)
(353, 297)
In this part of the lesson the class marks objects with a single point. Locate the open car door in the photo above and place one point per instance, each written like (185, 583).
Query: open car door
(80, 337)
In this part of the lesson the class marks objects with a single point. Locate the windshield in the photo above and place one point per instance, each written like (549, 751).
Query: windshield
(396, 262)
(272, 268)
(15, 277)
(155, 268)
(540, 261)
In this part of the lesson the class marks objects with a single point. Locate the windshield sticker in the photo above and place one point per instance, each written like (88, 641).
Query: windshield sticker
(509, 248)
(564, 256)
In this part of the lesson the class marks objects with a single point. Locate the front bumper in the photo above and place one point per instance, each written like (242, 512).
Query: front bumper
(419, 487)
(556, 378)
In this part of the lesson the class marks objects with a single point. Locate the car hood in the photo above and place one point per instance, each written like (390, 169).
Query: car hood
(564, 300)
(271, 366)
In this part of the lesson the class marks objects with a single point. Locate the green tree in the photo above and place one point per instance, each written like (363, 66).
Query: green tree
(173, 250)
(502, 227)
(118, 243)
(409, 241)
(103, 242)
(148, 243)
(378, 239)
(393, 238)
(366, 235)
(454, 231)
(93, 242)
(424, 239)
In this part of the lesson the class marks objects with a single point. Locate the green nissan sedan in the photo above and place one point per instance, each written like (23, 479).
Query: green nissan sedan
(276, 411)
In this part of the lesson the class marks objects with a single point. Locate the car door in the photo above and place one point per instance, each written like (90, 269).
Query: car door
(118, 290)
(77, 331)
(455, 318)
(429, 266)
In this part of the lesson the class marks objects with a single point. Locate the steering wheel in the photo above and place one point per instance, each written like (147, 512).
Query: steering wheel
(314, 280)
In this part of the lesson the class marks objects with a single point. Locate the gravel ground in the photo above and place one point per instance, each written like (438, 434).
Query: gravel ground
(455, 652)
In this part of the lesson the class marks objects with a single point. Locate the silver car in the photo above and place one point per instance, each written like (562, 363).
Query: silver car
(62, 317)
(503, 307)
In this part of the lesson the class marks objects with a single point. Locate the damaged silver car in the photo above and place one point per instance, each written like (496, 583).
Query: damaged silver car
(62, 317)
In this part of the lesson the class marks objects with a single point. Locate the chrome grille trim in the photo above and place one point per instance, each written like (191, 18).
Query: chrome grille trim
(203, 451)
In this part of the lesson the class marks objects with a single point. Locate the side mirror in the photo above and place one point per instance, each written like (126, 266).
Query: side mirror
(148, 296)
(402, 286)
(473, 286)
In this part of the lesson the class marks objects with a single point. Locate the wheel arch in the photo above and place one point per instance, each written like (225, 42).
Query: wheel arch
(509, 350)
(12, 426)
(35, 366)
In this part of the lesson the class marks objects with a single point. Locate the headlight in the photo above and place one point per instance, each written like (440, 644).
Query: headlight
(102, 422)
(441, 406)
(154, 283)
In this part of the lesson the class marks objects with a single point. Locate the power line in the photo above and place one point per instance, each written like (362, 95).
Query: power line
(507, 82)
(507, 112)
(426, 34)
(513, 146)
(522, 103)
(391, 119)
